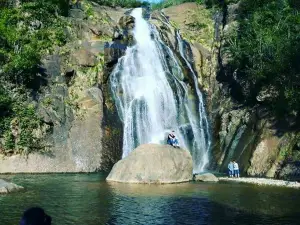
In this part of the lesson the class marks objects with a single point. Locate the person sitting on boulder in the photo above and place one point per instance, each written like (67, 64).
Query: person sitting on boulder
(172, 140)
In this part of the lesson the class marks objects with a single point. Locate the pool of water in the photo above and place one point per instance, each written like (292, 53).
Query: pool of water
(86, 199)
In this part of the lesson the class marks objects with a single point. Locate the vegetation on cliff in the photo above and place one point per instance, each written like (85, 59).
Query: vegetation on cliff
(265, 54)
(26, 32)
(168, 3)
(263, 51)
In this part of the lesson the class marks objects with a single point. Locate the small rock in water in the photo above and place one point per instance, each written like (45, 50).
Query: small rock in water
(6, 187)
(206, 177)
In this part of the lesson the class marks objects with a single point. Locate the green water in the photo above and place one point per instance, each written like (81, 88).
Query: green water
(88, 200)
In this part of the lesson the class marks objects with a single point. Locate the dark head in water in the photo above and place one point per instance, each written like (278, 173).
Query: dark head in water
(35, 216)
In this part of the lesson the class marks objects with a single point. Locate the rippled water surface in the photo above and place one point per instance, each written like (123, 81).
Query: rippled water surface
(88, 200)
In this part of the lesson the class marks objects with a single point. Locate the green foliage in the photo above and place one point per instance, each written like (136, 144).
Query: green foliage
(28, 122)
(9, 141)
(5, 102)
(47, 102)
(168, 3)
(16, 114)
(23, 118)
(5, 117)
(266, 51)
(26, 33)
(122, 3)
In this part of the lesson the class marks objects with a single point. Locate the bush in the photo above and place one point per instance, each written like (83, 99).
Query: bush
(26, 33)
(266, 53)
(22, 117)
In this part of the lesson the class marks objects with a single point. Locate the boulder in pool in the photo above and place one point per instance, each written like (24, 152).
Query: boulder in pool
(153, 163)
(206, 177)
(6, 187)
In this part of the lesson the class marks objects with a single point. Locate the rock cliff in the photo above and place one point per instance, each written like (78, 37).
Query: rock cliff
(73, 98)
(80, 130)
(249, 134)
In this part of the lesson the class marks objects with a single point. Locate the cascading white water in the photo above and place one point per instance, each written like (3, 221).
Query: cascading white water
(204, 133)
(152, 98)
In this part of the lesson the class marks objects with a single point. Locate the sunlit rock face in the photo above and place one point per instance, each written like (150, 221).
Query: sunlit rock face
(153, 163)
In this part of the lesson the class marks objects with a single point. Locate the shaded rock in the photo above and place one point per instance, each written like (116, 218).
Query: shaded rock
(6, 187)
(206, 177)
(127, 22)
(97, 47)
(113, 51)
(51, 65)
(290, 171)
(77, 14)
(266, 94)
(84, 57)
(101, 29)
(153, 163)
(233, 12)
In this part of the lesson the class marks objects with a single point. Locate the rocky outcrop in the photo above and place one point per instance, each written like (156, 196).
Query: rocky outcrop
(69, 97)
(152, 163)
(6, 187)
(206, 177)
(250, 135)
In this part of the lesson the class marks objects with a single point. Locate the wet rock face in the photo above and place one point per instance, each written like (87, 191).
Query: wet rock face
(122, 37)
(113, 129)
(152, 163)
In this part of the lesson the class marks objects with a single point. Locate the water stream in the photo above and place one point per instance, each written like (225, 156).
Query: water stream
(152, 99)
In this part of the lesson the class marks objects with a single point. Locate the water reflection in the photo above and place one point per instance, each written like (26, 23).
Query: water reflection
(89, 200)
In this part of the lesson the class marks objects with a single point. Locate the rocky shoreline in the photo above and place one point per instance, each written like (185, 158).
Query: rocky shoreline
(263, 181)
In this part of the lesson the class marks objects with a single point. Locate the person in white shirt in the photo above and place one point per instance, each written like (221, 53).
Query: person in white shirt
(172, 140)
(236, 170)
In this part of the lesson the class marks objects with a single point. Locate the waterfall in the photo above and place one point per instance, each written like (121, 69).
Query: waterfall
(152, 99)
(204, 135)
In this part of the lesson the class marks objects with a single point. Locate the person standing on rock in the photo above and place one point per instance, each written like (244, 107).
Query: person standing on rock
(230, 169)
(236, 169)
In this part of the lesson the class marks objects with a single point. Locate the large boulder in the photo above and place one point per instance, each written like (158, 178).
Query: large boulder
(206, 177)
(6, 187)
(153, 163)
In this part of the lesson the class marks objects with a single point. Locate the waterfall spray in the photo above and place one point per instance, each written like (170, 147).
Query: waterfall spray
(152, 99)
